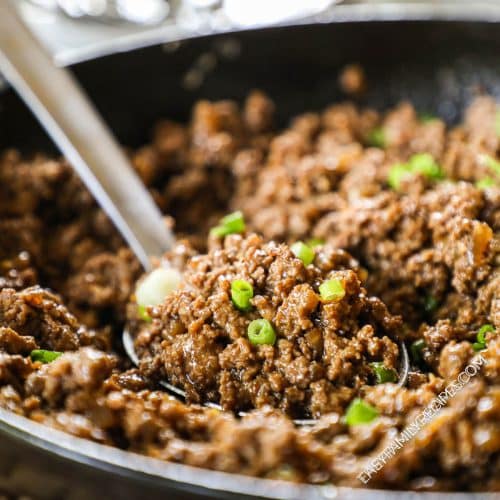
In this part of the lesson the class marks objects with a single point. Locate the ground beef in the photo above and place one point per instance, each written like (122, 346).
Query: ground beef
(418, 263)
(198, 339)
(352, 79)
(39, 314)
(13, 343)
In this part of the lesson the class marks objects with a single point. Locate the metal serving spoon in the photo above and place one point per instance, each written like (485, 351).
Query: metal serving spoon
(70, 119)
(75, 126)
(131, 11)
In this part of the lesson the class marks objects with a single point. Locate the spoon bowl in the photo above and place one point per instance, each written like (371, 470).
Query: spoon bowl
(128, 344)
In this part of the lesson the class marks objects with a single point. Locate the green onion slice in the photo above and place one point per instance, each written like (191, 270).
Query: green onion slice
(478, 346)
(491, 163)
(416, 350)
(430, 304)
(359, 412)
(424, 163)
(377, 138)
(315, 242)
(481, 337)
(260, 331)
(241, 293)
(421, 163)
(483, 331)
(230, 224)
(382, 373)
(44, 356)
(396, 175)
(485, 183)
(303, 252)
(332, 290)
(427, 117)
(143, 314)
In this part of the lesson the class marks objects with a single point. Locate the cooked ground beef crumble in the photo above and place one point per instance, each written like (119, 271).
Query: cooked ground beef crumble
(198, 339)
(417, 259)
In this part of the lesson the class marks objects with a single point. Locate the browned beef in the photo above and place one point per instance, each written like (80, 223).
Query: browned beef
(198, 339)
(418, 263)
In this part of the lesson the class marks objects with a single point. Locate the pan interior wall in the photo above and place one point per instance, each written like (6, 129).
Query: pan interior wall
(439, 66)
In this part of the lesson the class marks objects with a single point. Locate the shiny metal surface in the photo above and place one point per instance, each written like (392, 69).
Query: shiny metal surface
(72, 41)
(132, 11)
(88, 24)
(82, 136)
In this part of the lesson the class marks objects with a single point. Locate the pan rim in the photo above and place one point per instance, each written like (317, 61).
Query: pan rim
(481, 11)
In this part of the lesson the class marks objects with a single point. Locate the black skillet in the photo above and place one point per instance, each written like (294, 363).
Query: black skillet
(436, 57)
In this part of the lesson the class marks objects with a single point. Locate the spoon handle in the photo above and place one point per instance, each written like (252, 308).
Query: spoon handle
(72, 122)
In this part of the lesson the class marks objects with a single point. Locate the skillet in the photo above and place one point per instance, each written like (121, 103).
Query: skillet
(436, 57)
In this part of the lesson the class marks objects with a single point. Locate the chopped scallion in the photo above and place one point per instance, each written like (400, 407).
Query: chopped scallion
(416, 350)
(480, 343)
(430, 304)
(44, 356)
(427, 117)
(303, 252)
(332, 290)
(260, 331)
(478, 346)
(377, 138)
(483, 331)
(485, 183)
(143, 313)
(359, 412)
(492, 163)
(424, 163)
(421, 163)
(241, 293)
(315, 242)
(230, 224)
(382, 373)
(396, 175)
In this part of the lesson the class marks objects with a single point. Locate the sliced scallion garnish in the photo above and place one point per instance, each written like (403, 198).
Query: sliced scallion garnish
(260, 332)
(230, 224)
(359, 412)
(241, 293)
(332, 290)
(303, 252)
(382, 373)
(44, 356)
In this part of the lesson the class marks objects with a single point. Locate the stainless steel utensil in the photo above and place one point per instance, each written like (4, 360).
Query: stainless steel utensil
(71, 120)
(132, 11)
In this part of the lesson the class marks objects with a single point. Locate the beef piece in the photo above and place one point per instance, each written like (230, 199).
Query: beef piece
(14, 369)
(352, 80)
(105, 281)
(13, 343)
(258, 112)
(39, 314)
(80, 371)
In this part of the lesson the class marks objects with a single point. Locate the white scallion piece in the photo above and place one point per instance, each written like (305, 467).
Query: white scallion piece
(156, 286)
